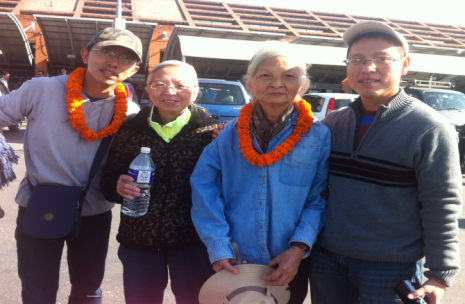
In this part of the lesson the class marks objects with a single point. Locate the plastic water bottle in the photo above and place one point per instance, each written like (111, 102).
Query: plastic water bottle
(142, 170)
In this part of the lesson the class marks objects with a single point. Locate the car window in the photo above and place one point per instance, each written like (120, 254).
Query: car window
(220, 94)
(445, 100)
(316, 102)
(341, 103)
(413, 94)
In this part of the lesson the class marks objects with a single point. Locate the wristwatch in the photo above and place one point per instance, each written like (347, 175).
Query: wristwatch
(302, 246)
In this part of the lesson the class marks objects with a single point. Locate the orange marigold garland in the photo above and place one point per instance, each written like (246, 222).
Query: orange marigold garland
(77, 118)
(304, 122)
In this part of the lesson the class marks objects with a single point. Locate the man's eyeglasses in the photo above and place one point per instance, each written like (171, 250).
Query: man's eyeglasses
(164, 86)
(377, 62)
(124, 59)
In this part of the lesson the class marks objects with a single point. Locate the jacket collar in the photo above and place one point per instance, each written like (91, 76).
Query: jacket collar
(198, 119)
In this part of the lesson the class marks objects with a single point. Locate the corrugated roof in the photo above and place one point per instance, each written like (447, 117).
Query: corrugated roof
(65, 37)
(14, 45)
(425, 37)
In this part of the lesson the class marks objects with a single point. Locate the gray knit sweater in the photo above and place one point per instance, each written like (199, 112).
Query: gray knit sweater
(397, 196)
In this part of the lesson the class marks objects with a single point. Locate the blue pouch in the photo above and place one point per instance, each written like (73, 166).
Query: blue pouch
(54, 212)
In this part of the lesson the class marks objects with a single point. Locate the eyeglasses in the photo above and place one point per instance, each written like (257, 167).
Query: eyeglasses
(377, 62)
(164, 86)
(124, 59)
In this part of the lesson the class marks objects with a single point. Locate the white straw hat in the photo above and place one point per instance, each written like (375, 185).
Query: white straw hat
(245, 287)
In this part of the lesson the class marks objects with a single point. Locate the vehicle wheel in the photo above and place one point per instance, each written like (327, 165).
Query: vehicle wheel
(15, 128)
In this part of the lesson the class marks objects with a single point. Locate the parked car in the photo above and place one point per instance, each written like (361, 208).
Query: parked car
(222, 99)
(324, 103)
(449, 103)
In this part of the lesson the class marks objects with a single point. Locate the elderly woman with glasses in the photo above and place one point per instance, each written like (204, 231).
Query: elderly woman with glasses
(259, 183)
(177, 131)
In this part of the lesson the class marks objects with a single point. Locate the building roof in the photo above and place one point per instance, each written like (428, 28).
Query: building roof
(303, 24)
(65, 37)
(14, 47)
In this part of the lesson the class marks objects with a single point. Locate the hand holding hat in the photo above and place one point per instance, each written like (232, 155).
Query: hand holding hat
(248, 287)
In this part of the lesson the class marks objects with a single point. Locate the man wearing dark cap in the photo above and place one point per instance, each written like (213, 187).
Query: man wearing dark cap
(57, 153)
(394, 187)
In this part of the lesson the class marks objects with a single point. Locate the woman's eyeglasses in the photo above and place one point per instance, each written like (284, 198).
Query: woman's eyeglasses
(164, 86)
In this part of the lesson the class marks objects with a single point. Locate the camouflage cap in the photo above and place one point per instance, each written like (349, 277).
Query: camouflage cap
(118, 37)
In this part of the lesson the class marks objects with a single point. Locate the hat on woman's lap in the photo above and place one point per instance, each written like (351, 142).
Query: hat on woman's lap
(247, 287)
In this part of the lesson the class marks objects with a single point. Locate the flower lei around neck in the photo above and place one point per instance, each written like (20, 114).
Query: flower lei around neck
(77, 118)
(304, 122)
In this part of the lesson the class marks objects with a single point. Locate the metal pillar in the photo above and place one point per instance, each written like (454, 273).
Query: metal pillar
(119, 22)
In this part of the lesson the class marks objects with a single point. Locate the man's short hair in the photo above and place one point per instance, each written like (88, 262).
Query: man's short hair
(382, 35)
(5, 73)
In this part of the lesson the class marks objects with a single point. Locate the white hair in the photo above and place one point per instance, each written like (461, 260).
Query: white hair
(273, 49)
(191, 71)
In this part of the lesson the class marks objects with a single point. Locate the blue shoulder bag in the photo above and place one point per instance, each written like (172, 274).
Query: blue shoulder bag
(54, 211)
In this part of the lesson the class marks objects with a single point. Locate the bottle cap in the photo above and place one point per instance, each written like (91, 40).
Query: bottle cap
(145, 150)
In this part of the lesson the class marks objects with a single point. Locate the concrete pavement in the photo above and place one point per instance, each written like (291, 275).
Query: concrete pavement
(10, 285)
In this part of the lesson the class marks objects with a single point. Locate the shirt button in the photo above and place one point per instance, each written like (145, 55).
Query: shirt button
(262, 179)
(266, 227)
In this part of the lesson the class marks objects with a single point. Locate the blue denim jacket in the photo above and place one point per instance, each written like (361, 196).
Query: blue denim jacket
(262, 209)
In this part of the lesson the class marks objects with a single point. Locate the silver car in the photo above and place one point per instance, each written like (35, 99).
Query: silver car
(324, 103)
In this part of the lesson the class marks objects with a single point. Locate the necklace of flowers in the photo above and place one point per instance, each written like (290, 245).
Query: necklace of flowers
(77, 118)
(304, 122)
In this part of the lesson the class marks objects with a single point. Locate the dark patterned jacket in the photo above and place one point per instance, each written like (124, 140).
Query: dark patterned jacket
(167, 224)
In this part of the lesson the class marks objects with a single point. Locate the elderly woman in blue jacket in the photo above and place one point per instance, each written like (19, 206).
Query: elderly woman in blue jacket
(259, 183)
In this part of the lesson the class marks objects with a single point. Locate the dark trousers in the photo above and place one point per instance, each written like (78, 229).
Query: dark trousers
(39, 262)
(298, 288)
(146, 274)
(338, 279)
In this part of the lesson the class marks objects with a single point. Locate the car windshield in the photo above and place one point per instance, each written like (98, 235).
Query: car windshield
(221, 94)
(445, 101)
(317, 102)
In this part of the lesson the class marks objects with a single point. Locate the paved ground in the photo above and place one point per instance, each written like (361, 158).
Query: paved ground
(10, 291)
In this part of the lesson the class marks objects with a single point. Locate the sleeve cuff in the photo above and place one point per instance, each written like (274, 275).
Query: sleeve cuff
(304, 236)
(444, 276)
(219, 251)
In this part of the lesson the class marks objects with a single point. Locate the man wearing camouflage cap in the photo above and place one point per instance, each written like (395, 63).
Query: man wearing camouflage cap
(56, 153)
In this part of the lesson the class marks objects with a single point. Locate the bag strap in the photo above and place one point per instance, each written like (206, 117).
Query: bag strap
(102, 150)
(98, 158)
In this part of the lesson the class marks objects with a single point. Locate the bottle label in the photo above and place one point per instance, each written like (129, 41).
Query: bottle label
(142, 176)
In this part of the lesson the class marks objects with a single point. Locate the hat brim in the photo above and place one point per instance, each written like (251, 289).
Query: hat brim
(117, 43)
(219, 286)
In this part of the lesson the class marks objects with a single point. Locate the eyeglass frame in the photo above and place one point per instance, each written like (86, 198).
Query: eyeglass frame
(115, 55)
(363, 61)
(170, 87)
